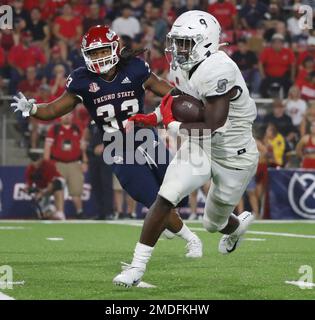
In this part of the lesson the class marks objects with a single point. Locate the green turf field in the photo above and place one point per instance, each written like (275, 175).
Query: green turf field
(82, 265)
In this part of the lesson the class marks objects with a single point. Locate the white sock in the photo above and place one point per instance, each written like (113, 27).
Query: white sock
(185, 233)
(141, 255)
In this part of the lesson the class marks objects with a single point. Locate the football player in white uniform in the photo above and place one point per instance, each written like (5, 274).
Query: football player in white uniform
(228, 155)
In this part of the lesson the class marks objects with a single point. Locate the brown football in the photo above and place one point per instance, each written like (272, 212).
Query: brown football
(186, 108)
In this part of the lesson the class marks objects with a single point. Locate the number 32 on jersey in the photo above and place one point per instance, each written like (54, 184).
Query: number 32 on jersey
(107, 111)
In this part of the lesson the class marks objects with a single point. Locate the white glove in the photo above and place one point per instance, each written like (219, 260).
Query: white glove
(27, 107)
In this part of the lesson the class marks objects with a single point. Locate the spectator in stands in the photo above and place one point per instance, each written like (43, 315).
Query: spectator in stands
(63, 144)
(226, 13)
(295, 107)
(29, 86)
(21, 16)
(101, 176)
(126, 24)
(248, 63)
(58, 83)
(22, 56)
(189, 5)
(276, 146)
(137, 7)
(276, 65)
(293, 25)
(307, 86)
(309, 52)
(39, 29)
(281, 120)
(277, 27)
(94, 17)
(159, 24)
(67, 29)
(43, 181)
(168, 13)
(306, 68)
(308, 119)
(55, 59)
(252, 14)
(305, 149)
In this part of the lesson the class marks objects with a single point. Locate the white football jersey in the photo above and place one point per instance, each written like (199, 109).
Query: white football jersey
(215, 76)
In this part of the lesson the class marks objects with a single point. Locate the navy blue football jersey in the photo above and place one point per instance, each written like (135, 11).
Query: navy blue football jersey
(111, 103)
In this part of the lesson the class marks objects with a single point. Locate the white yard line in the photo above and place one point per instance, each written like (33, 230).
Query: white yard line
(11, 228)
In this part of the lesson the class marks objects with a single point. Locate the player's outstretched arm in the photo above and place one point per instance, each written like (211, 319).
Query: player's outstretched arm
(45, 111)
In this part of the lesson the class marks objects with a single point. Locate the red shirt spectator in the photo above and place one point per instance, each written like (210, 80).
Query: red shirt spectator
(277, 63)
(42, 175)
(65, 142)
(24, 57)
(225, 12)
(67, 28)
(307, 87)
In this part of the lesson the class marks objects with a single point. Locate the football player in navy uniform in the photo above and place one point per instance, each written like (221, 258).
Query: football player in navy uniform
(112, 88)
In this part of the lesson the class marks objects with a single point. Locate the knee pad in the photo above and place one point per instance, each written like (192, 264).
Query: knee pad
(57, 185)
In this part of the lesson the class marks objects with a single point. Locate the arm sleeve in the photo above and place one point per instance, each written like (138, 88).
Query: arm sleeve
(217, 82)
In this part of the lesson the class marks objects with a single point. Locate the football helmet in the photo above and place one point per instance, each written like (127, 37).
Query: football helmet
(100, 37)
(193, 37)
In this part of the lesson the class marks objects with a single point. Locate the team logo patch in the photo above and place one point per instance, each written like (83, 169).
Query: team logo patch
(221, 85)
(94, 87)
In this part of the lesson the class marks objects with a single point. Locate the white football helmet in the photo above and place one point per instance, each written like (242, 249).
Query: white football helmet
(194, 36)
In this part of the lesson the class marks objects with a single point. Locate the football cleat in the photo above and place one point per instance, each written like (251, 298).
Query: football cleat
(194, 248)
(229, 243)
(130, 276)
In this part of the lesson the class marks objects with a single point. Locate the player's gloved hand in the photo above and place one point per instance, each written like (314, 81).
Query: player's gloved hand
(166, 110)
(23, 105)
(145, 119)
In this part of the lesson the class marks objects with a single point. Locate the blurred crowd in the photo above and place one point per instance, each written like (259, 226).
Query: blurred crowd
(265, 39)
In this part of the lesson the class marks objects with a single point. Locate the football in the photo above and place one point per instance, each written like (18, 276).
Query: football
(186, 108)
